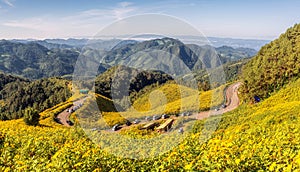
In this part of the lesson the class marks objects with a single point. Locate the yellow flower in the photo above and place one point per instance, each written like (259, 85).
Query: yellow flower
(237, 161)
(188, 166)
(272, 166)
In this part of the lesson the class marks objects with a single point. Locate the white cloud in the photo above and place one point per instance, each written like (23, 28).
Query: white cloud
(29, 23)
(120, 13)
(125, 4)
(84, 23)
(80, 24)
(8, 2)
(122, 10)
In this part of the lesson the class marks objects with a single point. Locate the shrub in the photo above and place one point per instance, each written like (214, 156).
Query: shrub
(31, 117)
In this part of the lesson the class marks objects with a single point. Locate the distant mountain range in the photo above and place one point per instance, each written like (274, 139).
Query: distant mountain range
(57, 57)
(73, 43)
(35, 61)
(235, 53)
(172, 56)
(213, 41)
(238, 43)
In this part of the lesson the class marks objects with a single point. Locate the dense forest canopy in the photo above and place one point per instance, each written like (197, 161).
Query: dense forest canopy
(6, 79)
(40, 94)
(275, 65)
(117, 80)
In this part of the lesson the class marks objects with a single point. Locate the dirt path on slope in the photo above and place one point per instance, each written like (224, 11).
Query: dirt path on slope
(64, 116)
(232, 102)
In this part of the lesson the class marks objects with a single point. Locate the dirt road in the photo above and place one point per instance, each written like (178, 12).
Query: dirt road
(232, 102)
(63, 117)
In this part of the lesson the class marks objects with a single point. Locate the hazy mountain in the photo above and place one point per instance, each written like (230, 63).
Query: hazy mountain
(89, 43)
(53, 45)
(35, 61)
(163, 54)
(235, 53)
(71, 42)
(124, 43)
(173, 56)
(237, 43)
(32, 60)
(213, 41)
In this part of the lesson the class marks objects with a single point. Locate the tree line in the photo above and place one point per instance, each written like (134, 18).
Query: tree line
(40, 95)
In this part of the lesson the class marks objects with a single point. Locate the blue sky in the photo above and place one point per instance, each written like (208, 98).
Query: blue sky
(219, 18)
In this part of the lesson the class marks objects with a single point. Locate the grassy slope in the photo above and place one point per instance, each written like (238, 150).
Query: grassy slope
(261, 136)
(97, 109)
(167, 92)
(166, 100)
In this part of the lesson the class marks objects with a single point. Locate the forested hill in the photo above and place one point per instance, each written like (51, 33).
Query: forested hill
(233, 54)
(43, 59)
(6, 79)
(167, 51)
(35, 61)
(41, 94)
(116, 81)
(275, 65)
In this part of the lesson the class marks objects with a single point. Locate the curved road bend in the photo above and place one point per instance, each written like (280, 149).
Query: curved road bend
(232, 102)
(63, 117)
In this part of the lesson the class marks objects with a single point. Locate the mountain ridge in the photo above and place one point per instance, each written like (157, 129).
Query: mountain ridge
(34, 61)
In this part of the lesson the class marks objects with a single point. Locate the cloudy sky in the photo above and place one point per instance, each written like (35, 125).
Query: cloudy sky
(41, 19)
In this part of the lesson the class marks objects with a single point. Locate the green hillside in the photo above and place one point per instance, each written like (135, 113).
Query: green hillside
(233, 54)
(40, 94)
(35, 61)
(275, 65)
(6, 79)
(120, 81)
(168, 54)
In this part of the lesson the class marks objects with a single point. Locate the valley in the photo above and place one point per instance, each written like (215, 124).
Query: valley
(232, 109)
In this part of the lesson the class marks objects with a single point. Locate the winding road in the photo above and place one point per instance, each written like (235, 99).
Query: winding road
(64, 116)
(232, 102)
